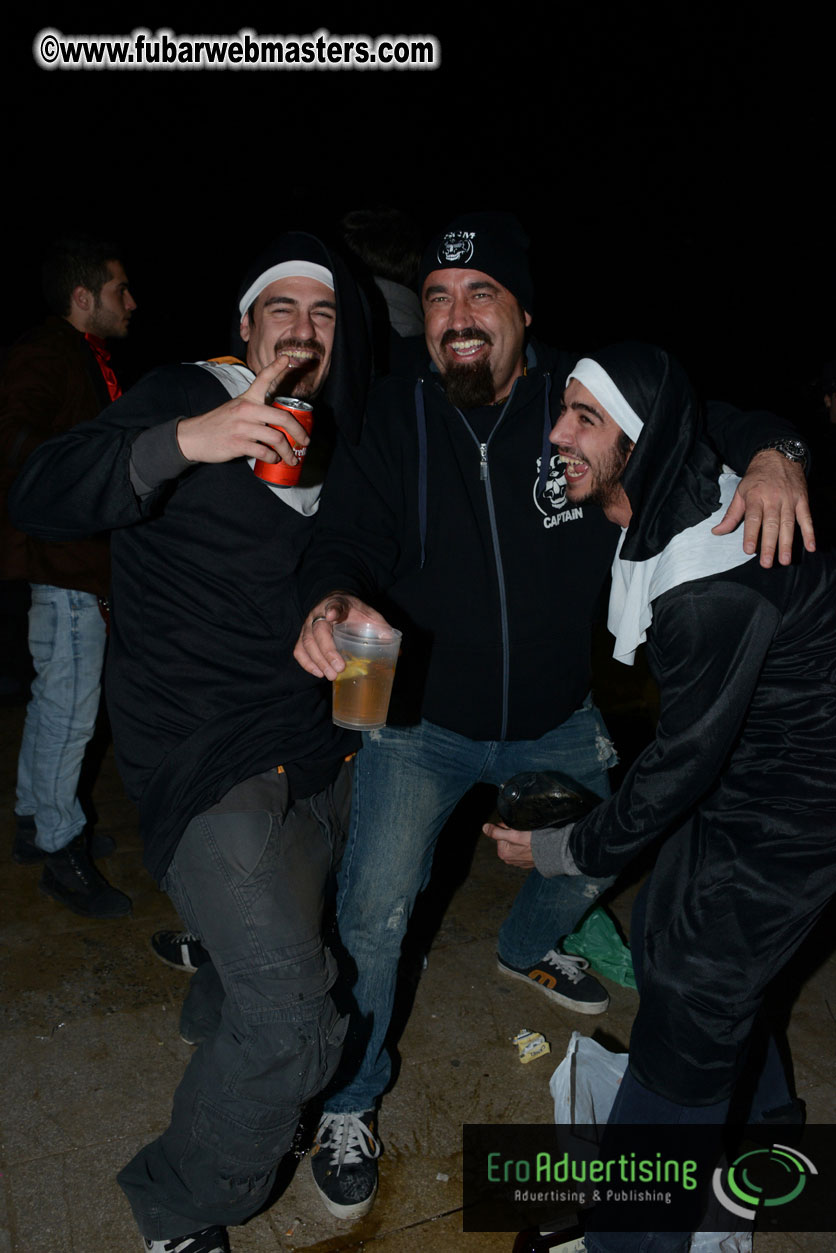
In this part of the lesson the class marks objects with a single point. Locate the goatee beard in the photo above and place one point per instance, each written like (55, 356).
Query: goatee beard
(299, 382)
(469, 386)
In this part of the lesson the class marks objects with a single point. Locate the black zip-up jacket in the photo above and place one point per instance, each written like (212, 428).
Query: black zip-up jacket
(466, 541)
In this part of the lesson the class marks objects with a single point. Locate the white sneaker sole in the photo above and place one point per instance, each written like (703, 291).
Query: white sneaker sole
(188, 970)
(186, 967)
(346, 1212)
(580, 1007)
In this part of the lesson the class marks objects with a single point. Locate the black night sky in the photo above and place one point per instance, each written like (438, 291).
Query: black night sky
(674, 170)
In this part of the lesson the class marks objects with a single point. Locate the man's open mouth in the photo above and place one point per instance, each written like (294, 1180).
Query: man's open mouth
(466, 347)
(573, 467)
(300, 351)
(465, 343)
(302, 355)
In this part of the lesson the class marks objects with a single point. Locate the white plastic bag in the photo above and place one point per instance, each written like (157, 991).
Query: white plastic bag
(583, 1089)
(585, 1083)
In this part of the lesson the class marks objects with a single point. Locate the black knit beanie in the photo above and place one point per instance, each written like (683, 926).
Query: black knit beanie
(494, 243)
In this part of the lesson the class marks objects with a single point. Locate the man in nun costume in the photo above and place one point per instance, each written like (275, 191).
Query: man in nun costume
(738, 784)
(226, 746)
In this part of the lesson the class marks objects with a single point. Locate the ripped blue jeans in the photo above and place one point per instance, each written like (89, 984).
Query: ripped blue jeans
(407, 782)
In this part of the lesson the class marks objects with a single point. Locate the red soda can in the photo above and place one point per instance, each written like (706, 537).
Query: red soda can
(279, 472)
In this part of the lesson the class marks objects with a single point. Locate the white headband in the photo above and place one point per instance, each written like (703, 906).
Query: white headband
(286, 269)
(596, 380)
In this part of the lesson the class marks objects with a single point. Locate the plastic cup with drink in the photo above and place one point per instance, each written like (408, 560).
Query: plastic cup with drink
(362, 690)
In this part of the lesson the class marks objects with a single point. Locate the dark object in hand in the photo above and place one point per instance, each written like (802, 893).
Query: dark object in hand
(542, 798)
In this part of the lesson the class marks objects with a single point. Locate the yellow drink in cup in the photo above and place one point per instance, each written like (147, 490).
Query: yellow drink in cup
(363, 688)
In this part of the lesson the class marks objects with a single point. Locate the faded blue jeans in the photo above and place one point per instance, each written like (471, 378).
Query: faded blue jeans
(407, 782)
(67, 638)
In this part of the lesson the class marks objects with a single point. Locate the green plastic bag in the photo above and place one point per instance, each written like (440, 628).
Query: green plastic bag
(597, 939)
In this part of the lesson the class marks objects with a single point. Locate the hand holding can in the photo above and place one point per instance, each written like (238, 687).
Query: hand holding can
(280, 473)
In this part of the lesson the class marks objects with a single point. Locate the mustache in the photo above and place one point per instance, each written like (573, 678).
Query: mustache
(469, 332)
(292, 341)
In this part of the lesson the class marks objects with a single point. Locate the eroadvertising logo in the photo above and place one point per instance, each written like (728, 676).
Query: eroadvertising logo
(516, 1173)
(699, 1177)
(762, 1177)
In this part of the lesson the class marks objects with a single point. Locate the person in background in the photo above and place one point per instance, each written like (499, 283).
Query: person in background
(387, 244)
(57, 376)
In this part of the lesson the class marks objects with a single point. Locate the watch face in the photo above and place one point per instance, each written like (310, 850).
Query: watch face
(792, 449)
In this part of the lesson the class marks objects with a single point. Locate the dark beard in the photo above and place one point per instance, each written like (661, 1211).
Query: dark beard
(610, 474)
(469, 386)
(299, 381)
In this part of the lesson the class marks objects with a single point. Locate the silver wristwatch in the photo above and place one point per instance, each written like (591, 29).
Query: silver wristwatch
(792, 449)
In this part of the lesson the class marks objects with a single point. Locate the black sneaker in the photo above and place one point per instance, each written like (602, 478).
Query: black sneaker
(25, 851)
(210, 1240)
(344, 1163)
(561, 978)
(70, 877)
(179, 949)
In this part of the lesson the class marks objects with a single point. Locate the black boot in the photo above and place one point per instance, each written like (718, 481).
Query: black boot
(70, 877)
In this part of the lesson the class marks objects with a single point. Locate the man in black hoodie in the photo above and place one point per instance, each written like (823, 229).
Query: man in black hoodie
(225, 745)
(451, 515)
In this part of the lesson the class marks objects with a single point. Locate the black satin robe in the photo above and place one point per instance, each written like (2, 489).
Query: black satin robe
(741, 782)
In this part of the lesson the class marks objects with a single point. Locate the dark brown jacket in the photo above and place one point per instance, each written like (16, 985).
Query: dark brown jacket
(51, 381)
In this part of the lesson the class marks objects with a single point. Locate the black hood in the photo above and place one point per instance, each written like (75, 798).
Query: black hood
(346, 387)
(671, 477)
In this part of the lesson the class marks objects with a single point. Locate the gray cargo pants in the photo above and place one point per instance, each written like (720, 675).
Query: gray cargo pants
(252, 885)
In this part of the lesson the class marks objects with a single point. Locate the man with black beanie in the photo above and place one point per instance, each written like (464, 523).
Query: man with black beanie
(451, 517)
(226, 746)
